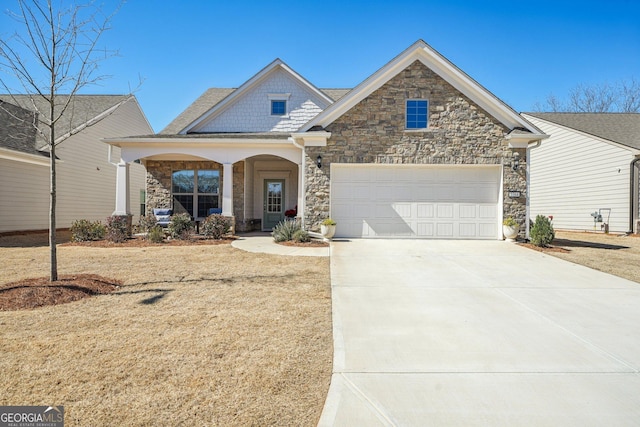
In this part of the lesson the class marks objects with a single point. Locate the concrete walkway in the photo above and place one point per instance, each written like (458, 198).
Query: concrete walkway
(479, 333)
(263, 243)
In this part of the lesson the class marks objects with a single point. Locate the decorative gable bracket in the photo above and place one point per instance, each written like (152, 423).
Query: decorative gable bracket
(519, 139)
(311, 139)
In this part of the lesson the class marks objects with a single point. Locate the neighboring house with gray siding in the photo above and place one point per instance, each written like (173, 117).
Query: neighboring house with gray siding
(86, 184)
(586, 166)
(417, 150)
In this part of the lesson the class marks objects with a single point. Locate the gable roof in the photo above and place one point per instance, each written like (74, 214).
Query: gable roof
(421, 51)
(623, 128)
(277, 64)
(211, 98)
(85, 108)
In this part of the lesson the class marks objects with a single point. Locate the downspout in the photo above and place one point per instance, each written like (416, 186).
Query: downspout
(632, 188)
(302, 180)
(528, 213)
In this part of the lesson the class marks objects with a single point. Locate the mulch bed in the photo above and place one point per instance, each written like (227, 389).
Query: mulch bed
(139, 242)
(28, 294)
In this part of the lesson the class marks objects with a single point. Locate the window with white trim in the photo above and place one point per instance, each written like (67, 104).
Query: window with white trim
(195, 191)
(417, 114)
(278, 107)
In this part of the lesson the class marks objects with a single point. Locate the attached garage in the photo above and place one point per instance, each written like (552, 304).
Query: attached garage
(417, 201)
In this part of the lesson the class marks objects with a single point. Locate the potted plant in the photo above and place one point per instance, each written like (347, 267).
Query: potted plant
(328, 228)
(510, 229)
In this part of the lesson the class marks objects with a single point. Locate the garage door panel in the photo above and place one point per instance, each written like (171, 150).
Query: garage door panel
(467, 230)
(467, 211)
(426, 210)
(444, 230)
(444, 211)
(415, 201)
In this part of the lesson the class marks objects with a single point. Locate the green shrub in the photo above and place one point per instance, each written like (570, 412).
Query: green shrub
(284, 231)
(328, 221)
(542, 233)
(155, 234)
(301, 236)
(215, 226)
(181, 226)
(510, 222)
(146, 223)
(83, 230)
(117, 231)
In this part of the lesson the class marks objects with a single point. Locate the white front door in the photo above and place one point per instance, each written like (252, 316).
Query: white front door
(416, 201)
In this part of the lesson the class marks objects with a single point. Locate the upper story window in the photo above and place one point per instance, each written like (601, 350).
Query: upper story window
(278, 107)
(278, 104)
(417, 110)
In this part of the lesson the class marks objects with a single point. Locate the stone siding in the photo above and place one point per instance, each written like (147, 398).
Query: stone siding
(373, 131)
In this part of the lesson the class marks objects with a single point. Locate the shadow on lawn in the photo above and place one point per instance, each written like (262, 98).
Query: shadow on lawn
(159, 294)
(580, 244)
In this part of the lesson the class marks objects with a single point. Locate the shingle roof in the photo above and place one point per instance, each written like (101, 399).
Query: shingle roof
(16, 132)
(212, 97)
(84, 108)
(623, 128)
(200, 106)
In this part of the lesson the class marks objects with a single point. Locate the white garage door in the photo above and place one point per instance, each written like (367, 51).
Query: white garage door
(415, 201)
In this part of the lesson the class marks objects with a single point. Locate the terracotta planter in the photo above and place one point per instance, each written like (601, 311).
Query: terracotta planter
(510, 233)
(327, 231)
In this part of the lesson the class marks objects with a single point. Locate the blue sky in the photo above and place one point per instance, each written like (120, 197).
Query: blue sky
(521, 51)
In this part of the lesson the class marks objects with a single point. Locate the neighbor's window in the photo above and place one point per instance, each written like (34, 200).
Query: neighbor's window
(278, 107)
(195, 191)
(417, 113)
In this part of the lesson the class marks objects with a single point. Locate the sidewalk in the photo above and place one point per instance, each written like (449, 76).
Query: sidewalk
(262, 242)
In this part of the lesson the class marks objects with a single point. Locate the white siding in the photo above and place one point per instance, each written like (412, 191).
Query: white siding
(252, 112)
(86, 180)
(573, 175)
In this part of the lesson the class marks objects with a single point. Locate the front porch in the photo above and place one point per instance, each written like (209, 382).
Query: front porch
(259, 189)
(252, 178)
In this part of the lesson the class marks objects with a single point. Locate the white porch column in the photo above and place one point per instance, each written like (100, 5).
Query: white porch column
(122, 189)
(227, 189)
(301, 171)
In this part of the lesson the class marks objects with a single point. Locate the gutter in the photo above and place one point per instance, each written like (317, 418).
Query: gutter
(632, 182)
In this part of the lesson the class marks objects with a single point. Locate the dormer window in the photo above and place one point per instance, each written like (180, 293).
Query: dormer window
(278, 104)
(278, 107)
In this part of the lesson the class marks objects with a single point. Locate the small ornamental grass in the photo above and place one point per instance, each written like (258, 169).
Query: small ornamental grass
(542, 233)
(215, 226)
(181, 226)
(155, 234)
(117, 229)
(301, 236)
(285, 230)
(83, 230)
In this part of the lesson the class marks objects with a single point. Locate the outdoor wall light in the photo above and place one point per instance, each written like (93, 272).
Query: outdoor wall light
(516, 161)
(319, 161)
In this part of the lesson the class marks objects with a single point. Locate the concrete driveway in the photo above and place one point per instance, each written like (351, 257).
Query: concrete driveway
(486, 333)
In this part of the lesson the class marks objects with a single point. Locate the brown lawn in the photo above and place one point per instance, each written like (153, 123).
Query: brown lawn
(612, 253)
(195, 335)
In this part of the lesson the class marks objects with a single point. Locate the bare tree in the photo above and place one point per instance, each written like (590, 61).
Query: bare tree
(52, 56)
(623, 97)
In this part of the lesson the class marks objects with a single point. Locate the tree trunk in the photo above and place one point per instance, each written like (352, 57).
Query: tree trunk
(52, 216)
